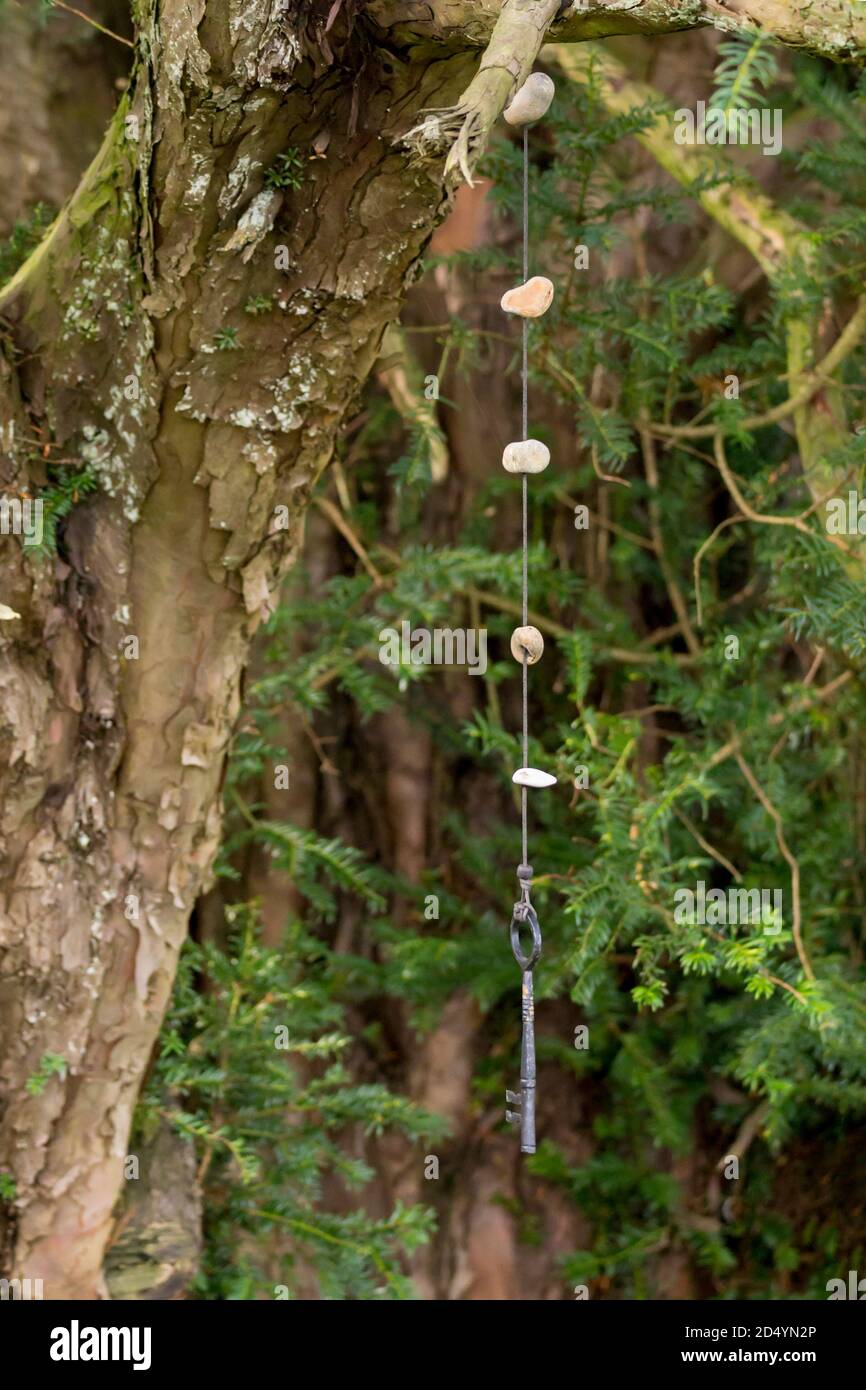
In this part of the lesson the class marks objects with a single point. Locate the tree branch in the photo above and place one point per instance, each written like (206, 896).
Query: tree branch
(834, 29)
(463, 129)
(790, 859)
(70, 9)
(512, 32)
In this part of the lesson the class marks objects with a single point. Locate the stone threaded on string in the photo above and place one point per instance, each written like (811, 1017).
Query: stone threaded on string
(531, 101)
(527, 642)
(526, 456)
(529, 300)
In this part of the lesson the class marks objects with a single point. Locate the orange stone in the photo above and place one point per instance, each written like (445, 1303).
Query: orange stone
(531, 300)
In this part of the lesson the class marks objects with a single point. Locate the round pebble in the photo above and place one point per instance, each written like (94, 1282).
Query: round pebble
(527, 639)
(530, 102)
(526, 456)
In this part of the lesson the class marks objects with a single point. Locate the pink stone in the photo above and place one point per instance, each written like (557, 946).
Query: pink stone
(531, 300)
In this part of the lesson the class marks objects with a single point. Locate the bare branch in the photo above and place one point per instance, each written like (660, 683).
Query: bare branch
(79, 14)
(787, 855)
(463, 129)
(835, 29)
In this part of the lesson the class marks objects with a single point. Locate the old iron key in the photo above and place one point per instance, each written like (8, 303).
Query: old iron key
(524, 915)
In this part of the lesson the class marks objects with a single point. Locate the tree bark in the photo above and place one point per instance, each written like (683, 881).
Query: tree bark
(114, 757)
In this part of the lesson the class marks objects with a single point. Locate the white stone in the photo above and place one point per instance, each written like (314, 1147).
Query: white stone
(531, 101)
(526, 456)
(533, 777)
(529, 300)
(527, 643)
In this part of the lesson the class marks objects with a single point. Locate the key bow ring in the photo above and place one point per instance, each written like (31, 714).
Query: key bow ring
(524, 915)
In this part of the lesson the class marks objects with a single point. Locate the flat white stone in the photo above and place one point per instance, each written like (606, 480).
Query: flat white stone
(526, 456)
(530, 101)
(533, 777)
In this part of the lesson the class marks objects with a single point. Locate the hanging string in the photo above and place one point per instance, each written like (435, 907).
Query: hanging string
(529, 300)
(525, 490)
(524, 915)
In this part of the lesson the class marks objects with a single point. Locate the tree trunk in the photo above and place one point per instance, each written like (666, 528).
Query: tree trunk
(122, 674)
